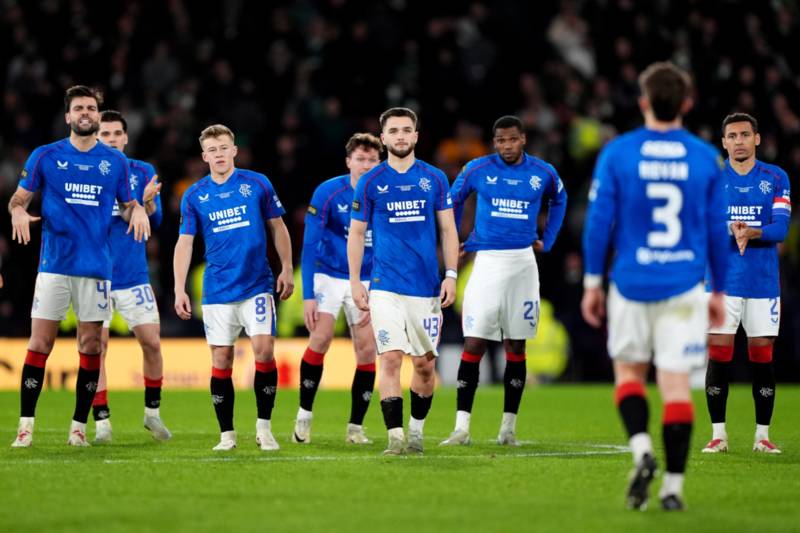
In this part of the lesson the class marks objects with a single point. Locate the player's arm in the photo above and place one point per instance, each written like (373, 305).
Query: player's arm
(283, 245)
(557, 209)
(717, 245)
(20, 219)
(448, 235)
(180, 269)
(460, 191)
(152, 200)
(355, 257)
(597, 230)
(312, 234)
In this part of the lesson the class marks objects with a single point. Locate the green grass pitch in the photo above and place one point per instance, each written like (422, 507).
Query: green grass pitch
(569, 475)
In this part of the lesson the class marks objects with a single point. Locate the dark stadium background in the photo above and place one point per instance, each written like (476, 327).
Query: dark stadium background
(295, 79)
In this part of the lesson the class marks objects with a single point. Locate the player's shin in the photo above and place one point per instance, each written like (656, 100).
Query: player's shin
(717, 386)
(361, 392)
(763, 388)
(86, 386)
(633, 410)
(32, 382)
(265, 384)
(100, 408)
(677, 431)
(468, 377)
(310, 375)
(152, 395)
(222, 396)
(514, 383)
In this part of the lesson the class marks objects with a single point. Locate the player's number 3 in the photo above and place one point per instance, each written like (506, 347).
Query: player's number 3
(666, 215)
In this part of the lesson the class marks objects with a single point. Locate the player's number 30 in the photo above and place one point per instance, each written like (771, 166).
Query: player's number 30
(667, 215)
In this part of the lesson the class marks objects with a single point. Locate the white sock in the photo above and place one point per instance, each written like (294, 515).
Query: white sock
(302, 414)
(671, 484)
(640, 444)
(26, 421)
(509, 421)
(762, 432)
(462, 420)
(152, 411)
(263, 425)
(414, 425)
(397, 433)
(718, 431)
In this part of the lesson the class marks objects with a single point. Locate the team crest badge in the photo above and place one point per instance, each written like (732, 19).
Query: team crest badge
(244, 190)
(105, 167)
(765, 187)
(134, 181)
(425, 184)
(536, 183)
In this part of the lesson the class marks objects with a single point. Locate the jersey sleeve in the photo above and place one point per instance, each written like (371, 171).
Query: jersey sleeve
(31, 175)
(189, 219)
(124, 194)
(778, 226)
(273, 208)
(718, 238)
(315, 222)
(158, 215)
(460, 190)
(557, 208)
(361, 209)
(600, 215)
(443, 199)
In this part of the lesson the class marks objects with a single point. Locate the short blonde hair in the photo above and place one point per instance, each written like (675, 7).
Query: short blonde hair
(214, 131)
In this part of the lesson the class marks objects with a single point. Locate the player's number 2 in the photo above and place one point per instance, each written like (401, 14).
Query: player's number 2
(666, 214)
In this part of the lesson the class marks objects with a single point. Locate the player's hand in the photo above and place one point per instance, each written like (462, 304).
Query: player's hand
(716, 310)
(20, 225)
(363, 320)
(139, 224)
(310, 314)
(360, 296)
(593, 306)
(285, 283)
(538, 246)
(1, 281)
(152, 188)
(741, 234)
(448, 292)
(183, 306)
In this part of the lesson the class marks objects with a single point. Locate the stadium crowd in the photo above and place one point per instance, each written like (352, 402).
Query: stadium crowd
(296, 79)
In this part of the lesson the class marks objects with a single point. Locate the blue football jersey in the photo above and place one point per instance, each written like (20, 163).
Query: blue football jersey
(78, 194)
(232, 219)
(659, 197)
(761, 198)
(401, 209)
(129, 258)
(508, 201)
(327, 225)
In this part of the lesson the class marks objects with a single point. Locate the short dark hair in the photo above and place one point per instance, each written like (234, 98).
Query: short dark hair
(398, 112)
(111, 115)
(739, 117)
(666, 86)
(508, 121)
(78, 91)
(367, 141)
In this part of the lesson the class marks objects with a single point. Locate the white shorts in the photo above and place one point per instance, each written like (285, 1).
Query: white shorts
(332, 294)
(410, 324)
(224, 322)
(501, 300)
(760, 317)
(137, 305)
(675, 329)
(88, 296)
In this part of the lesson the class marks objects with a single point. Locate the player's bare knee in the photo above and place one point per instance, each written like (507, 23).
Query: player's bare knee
(320, 342)
(89, 342)
(40, 344)
(474, 345)
(514, 346)
(424, 368)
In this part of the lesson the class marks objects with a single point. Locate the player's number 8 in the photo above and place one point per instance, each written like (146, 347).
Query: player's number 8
(666, 214)
(261, 305)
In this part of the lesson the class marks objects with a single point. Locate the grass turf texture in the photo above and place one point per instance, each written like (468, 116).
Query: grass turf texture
(570, 474)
